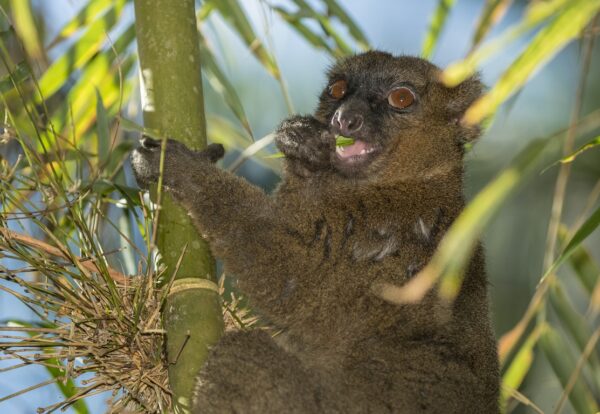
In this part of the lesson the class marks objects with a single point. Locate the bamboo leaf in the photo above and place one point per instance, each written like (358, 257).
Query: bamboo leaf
(537, 12)
(79, 53)
(87, 15)
(448, 263)
(585, 267)
(342, 48)
(563, 364)
(220, 83)
(355, 31)
(105, 187)
(26, 27)
(547, 43)
(574, 323)
(493, 11)
(340, 141)
(591, 144)
(234, 14)
(294, 20)
(103, 66)
(129, 125)
(436, 26)
(20, 73)
(82, 113)
(520, 365)
(102, 129)
(580, 235)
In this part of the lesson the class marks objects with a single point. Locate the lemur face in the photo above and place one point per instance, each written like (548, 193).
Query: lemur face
(395, 109)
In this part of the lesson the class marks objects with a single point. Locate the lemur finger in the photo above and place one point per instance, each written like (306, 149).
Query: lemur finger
(214, 152)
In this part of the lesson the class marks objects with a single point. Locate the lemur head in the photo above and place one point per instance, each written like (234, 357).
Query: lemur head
(404, 122)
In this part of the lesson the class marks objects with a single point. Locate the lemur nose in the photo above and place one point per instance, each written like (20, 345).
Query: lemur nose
(345, 122)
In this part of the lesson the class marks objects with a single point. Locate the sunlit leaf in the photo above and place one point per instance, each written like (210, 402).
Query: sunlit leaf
(537, 12)
(88, 14)
(492, 12)
(563, 364)
(454, 251)
(27, 28)
(436, 26)
(204, 11)
(547, 43)
(591, 144)
(82, 98)
(79, 53)
(521, 363)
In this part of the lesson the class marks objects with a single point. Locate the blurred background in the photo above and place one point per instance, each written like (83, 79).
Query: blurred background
(515, 239)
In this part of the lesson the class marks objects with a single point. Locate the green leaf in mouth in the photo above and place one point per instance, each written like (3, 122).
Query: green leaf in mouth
(342, 141)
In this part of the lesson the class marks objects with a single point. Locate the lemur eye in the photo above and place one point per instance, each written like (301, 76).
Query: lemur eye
(338, 89)
(401, 97)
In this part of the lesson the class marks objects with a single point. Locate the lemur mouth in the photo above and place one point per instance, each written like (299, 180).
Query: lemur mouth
(355, 152)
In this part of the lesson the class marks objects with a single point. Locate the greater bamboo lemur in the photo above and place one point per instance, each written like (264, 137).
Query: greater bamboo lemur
(343, 220)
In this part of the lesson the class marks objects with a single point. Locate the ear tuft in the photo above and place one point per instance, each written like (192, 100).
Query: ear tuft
(463, 95)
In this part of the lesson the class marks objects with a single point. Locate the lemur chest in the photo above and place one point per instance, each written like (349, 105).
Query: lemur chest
(360, 233)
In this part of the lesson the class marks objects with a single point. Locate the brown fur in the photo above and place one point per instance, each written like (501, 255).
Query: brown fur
(308, 257)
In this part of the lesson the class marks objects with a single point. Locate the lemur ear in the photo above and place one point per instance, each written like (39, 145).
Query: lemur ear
(463, 95)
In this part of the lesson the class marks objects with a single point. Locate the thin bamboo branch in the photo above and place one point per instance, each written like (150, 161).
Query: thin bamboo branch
(55, 251)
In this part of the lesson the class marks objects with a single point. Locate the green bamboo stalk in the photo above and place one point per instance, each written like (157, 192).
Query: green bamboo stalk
(169, 53)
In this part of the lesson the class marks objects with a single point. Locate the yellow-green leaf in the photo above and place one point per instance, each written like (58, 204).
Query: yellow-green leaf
(492, 12)
(547, 43)
(591, 144)
(84, 49)
(340, 141)
(26, 27)
(436, 26)
(520, 364)
(84, 17)
(448, 263)
(537, 12)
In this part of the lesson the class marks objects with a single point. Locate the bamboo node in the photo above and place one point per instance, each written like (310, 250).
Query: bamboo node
(188, 283)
